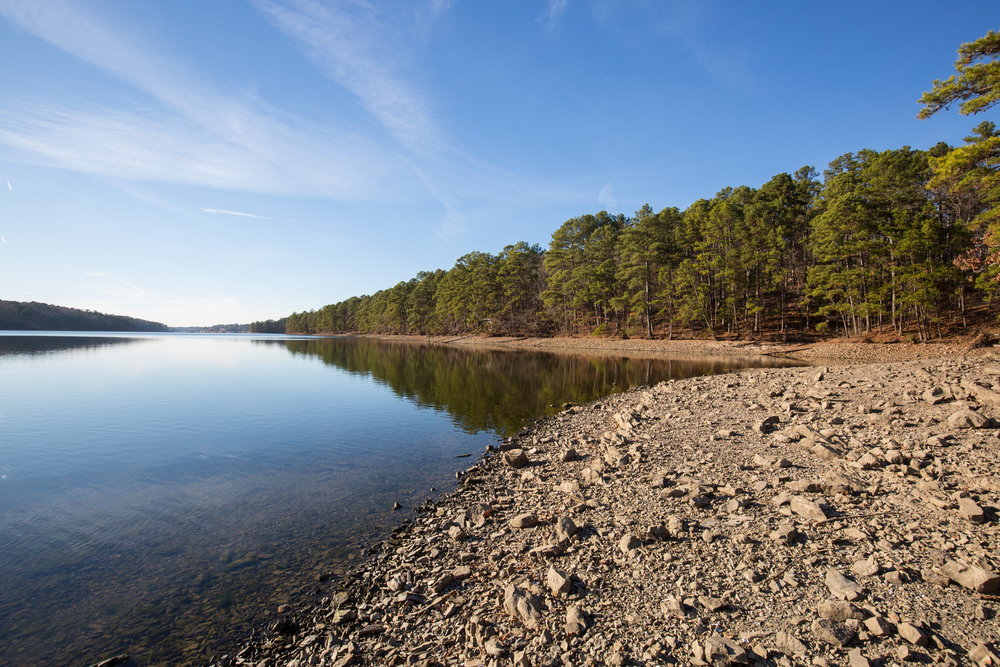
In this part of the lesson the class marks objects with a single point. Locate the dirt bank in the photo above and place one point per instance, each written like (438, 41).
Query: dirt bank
(827, 516)
(833, 351)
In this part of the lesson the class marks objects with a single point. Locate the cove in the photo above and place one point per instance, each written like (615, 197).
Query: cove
(162, 494)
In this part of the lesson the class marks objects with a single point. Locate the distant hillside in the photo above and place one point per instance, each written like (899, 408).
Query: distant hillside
(34, 316)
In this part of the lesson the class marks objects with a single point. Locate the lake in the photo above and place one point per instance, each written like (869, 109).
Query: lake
(162, 494)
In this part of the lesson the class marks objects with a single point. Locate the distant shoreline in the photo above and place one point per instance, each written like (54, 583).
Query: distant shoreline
(834, 351)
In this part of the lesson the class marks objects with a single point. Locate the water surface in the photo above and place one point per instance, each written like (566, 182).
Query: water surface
(162, 494)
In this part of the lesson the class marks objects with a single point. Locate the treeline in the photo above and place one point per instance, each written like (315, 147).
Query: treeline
(34, 316)
(882, 240)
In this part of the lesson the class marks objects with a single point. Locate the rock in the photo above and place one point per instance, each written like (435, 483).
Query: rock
(825, 452)
(628, 544)
(842, 587)
(878, 626)
(569, 487)
(457, 534)
(856, 659)
(968, 508)
(785, 534)
(804, 486)
(788, 644)
(711, 604)
(866, 568)
(566, 528)
(967, 419)
(557, 581)
(673, 608)
(575, 623)
(807, 509)
(396, 506)
(675, 526)
(912, 634)
(984, 655)
(974, 578)
(524, 521)
(516, 458)
(839, 610)
(568, 455)
(764, 461)
(832, 632)
(719, 652)
(523, 606)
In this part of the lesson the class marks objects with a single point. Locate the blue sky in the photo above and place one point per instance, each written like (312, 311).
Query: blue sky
(203, 162)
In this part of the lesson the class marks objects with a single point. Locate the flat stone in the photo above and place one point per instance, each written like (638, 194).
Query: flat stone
(832, 632)
(788, 643)
(970, 510)
(866, 568)
(974, 578)
(856, 659)
(842, 587)
(839, 610)
(524, 521)
(878, 626)
(557, 581)
(807, 509)
(967, 419)
(912, 634)
(711, 604)
(785, 534)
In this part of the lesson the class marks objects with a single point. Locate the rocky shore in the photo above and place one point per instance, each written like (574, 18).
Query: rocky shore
(831, 516)
(835, 351)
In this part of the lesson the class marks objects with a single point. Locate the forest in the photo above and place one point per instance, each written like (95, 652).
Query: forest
(900, 241)
(34, 316)
(881, 241)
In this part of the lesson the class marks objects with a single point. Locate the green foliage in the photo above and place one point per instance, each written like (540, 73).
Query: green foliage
(977, 84)
(34, 316)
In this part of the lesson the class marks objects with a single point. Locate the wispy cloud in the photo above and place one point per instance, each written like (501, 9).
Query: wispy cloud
(371, 51)
(606, 197)
(555, 9)
(264, 217)
(185, 131)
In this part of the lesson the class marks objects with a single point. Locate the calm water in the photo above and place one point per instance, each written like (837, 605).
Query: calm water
(162, 494)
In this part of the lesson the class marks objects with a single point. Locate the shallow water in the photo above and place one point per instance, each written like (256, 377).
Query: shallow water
(161, 494)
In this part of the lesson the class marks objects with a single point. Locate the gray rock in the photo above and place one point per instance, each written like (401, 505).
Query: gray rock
(457, 534)
(842, 587)
(568, 455)
(516, 458)
(832, 632)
